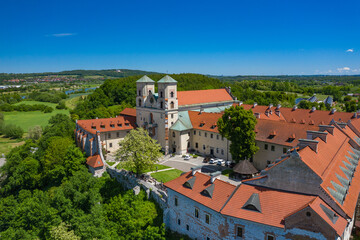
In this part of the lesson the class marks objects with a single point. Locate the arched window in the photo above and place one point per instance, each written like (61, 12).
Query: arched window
(161, 94)
(173, 134)
(161, 105)
(149, 91)
(171, 105)
(139, 92)
(139, 102)
(172, 94)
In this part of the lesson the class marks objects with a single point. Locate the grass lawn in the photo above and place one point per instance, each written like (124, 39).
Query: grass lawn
(110, 163)
(226, 172)
(6, 144)
(159, 167)
(30, 119)
(166, 176)
(71, 102)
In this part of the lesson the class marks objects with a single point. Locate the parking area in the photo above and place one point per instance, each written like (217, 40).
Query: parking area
(178, 162)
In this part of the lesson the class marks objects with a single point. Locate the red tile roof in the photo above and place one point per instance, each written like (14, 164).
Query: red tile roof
(264, 112)
(275, 205)
(221, 193)
(282, 133)
(128, 112)
(205, 121)
(203, 96)
(108, 124)
(94, 161)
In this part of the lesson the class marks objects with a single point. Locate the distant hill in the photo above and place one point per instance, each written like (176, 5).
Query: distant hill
(108, 73)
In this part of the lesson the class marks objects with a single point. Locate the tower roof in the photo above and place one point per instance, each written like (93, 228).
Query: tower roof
(167, 79)
(145, 79)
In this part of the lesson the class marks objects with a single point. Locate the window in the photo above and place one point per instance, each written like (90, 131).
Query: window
(272, 148)
(204, 147)
(205, 134)
(173, 134)
(172, 94)
(109, 135)
(179, 222)
(266, 147)
(268, 162)
(270, 237)
(110, 145)
(172, 123)
(176, 201)
(117, 134)
(207, 218)
(217, 150)
(284, 150)
(161, 105)
(172, 105)
(199, 133)
(239, 231)
(196, 213)
(194, 132)
(139, 102)
(187, 227)
(139, 93)
(222, 151)
(161, 94)
(211, 135)
(172, 115)
(217, 137)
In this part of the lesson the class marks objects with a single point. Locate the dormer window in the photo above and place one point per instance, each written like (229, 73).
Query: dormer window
(127, 124)
(190, 183)
(93, 126)
(213, 126)
(119, 124)
(102, 125)
(112, 125)
(253, 203)
(202, 124)
(208, 191)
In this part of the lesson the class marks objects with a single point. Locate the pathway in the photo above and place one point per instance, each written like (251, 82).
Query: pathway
(162, 170)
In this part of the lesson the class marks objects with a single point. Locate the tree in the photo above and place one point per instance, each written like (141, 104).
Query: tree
(62, 232)
(13, 131)
(35, 132)
(139, 151)
(238, 125)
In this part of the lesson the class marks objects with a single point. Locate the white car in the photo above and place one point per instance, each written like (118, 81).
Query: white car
(228, 163)
(212, 161)
(220, 162)
(187, 157)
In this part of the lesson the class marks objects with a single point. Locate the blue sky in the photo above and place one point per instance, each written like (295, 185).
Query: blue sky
(212, 37)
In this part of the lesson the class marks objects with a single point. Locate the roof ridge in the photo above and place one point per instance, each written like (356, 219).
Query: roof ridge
(301, 208)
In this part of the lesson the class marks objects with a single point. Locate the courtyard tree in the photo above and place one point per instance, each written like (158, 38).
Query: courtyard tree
(238, 125)
(138, 151)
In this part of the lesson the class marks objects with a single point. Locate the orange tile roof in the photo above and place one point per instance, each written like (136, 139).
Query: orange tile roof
(94, 161)
(203, 96)
(108, 124)
(302, 116)
(282, 132)
(221, 193)
(265, 112)
(129, 112)
(204, 121)
(275, 205)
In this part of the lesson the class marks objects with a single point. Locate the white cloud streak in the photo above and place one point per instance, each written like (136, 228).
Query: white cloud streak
(61, 34)
(350, 50)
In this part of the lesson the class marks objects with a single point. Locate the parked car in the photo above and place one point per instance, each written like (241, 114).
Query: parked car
(220, 162)
(212, 161)
(228, 163)
(206, 160)
(187, 157)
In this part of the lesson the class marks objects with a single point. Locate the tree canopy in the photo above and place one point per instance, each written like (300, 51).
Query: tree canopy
(138, 151)
(238, 126)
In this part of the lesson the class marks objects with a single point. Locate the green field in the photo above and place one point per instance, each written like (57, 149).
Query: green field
(30, 119)
(166, 176)
(53, 105)
(6, 144)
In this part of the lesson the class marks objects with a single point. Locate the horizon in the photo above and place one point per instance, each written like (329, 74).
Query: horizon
(257, 38)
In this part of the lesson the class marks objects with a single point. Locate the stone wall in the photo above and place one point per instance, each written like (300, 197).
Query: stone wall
(129, 181)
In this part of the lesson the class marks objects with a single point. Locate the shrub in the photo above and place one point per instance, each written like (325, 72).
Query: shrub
(35, 132)
(48, 110)
(13, 131)
(61, 105)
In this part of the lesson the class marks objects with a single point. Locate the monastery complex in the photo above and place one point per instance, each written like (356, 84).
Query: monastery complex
(308, 183)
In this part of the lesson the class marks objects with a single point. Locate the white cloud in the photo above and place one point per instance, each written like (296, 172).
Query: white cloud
(350, 50)
(61, 34)
(343, 69)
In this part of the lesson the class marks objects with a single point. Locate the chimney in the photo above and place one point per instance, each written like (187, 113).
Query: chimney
(277, 112)
(270, 105)
(214, 176)
(313, 144)
(313, 109)
(255, 104)
(333, 111)
(240, 103)
(278, 106)
(257, 115)
(355, 115)
(328, 128)
(294, 108)
(195, 170)
(314, 134)
(201, 110)
(97, 118)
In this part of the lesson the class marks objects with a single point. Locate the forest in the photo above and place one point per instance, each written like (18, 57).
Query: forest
(47, 193)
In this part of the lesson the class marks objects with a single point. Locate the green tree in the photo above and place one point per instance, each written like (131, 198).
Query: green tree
(238, 125)
(62, 232)
(35, 132)
(13, 131)
(138, 151)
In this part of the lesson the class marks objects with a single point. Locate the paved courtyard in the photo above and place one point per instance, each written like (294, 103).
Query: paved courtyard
(178, 162)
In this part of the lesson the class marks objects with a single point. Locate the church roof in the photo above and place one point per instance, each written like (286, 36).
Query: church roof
(145, 79)
(167, 79)
(203, 96)
(183, 123)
